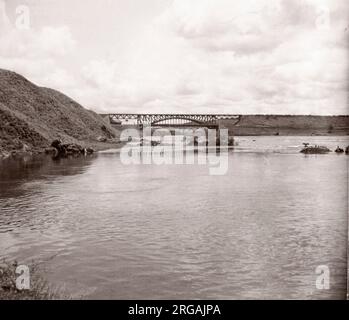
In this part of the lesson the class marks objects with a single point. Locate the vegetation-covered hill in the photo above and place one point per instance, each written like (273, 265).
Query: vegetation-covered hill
(31, 117)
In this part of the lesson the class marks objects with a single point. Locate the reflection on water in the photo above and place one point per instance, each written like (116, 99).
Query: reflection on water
(112, 231)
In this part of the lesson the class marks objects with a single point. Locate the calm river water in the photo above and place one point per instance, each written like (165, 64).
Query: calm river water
(106, 230)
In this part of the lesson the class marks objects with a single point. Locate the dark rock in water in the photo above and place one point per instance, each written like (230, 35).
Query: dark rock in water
(72, 149)
(347, 150)
(231, 142)
(154, 143)
(50, 150)
(56, 144)
(315, 150)
(89, 151)
(65, 150)
(339, 150)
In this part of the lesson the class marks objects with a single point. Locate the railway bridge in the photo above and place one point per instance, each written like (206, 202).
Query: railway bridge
(170, 120)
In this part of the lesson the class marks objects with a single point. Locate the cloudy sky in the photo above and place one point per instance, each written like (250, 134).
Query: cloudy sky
(208, 56)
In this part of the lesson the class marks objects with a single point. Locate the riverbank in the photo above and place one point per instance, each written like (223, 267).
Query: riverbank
(96, 146)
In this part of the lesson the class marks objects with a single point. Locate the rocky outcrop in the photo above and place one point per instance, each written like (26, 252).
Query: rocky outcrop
(60, 150)
(339, 150)
(315, 150)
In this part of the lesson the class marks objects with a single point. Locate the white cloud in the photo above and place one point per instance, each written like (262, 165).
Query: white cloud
(48, 42)
(240, 57)
(37, 54)
(252, 56)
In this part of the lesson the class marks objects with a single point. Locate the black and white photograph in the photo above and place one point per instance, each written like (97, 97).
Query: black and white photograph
(174, 150)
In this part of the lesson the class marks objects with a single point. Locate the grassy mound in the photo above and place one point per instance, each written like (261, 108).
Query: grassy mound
(31, 117)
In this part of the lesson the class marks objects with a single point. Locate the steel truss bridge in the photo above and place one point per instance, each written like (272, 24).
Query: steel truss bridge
(171, 119)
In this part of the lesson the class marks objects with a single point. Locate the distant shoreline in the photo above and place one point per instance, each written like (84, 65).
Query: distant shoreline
(289, 125)
(283, 125)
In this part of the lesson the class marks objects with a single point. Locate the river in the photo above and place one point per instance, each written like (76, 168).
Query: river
(106, 230)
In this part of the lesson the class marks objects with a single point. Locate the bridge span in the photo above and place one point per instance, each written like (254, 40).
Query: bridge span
(158, 119)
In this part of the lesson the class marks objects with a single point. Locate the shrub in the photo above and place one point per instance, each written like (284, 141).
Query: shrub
(39, 288)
